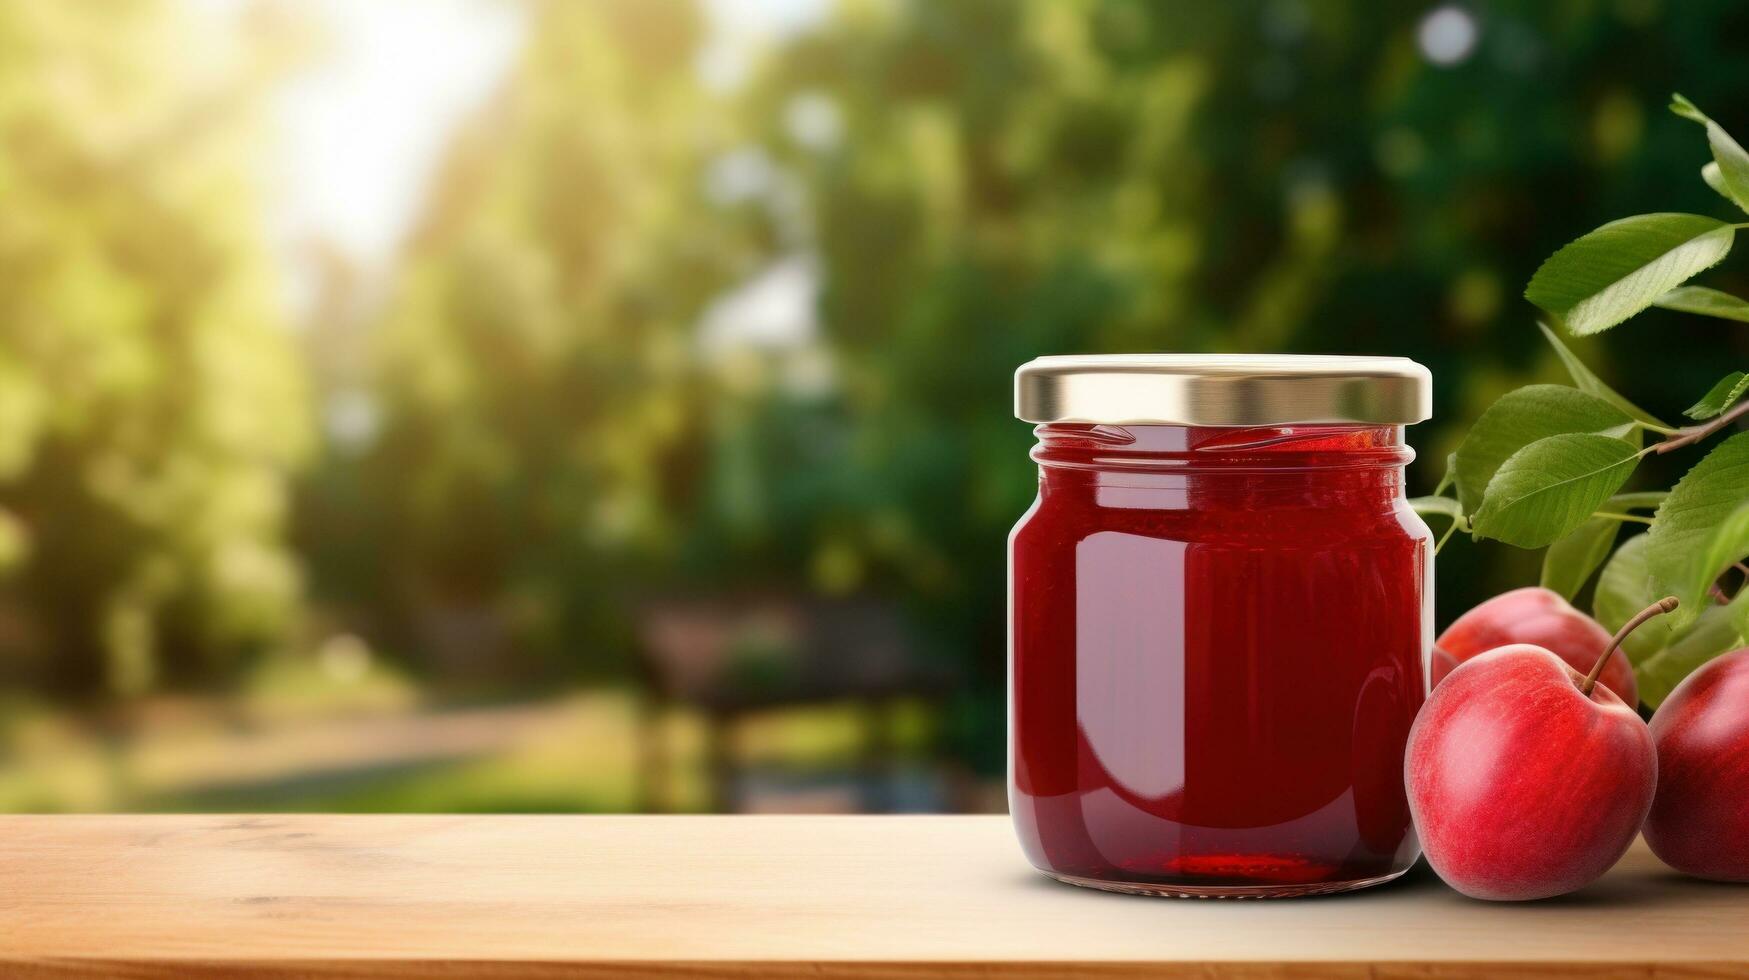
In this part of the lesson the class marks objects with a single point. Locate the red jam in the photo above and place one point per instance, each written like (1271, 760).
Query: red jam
(1219, 641)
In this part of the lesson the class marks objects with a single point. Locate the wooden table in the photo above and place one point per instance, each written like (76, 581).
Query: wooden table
(165, 896)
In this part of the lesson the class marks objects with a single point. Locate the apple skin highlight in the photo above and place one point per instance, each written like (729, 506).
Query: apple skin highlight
(1699, 822)
(1521, 785)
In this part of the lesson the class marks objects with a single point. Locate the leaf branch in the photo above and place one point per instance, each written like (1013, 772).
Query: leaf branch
(1691, 434)
(1624, 518)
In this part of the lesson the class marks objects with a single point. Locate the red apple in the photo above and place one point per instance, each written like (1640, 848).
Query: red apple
(1526, 779)
(1539, 616)
(1700, 819)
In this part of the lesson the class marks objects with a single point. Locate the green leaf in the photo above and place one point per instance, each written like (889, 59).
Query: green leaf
(1716, 630)
(1706, 302)
(1627, 503)
(1661, 656)
(1437, 506)
(1450, 476)
(1722, 396)
(1729, 544)
(1570, 561)
(1680, 105)
(1591, 383)
(1520, 418)
(1551, 486)
(1732, 161)
(1716, 180)
(1702, 527)
(1625, 588)
(1618, 270)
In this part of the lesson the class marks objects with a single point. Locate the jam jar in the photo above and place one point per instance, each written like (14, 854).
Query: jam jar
(1220, 623)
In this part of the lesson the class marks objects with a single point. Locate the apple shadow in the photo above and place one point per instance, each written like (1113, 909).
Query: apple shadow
(1606, 893)
(1676, 879)
(1645, 889)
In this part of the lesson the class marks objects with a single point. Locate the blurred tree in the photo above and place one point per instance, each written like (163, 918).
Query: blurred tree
(654, 336)
(984, 181)
(150, 403)
(532, 378)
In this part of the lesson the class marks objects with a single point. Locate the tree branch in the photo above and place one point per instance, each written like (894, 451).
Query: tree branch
(1690, 434)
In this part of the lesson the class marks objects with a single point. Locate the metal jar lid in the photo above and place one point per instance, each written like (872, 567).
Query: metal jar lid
(1222, 389)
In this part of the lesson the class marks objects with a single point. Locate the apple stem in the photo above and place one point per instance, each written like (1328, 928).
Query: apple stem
(1658, 608)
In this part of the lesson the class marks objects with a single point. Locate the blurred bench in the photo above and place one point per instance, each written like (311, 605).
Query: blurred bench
(731, 656)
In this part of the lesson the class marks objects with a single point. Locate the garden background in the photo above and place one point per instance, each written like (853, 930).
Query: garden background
(604, 404)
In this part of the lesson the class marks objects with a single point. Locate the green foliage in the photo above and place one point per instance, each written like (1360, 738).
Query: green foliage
(1715, 178)
(1705, 301)
(1624, 504)
(1520, 418)
(1722, 396)
(1554, 489)
(1728, 156)
(1740, 618)
(1569, 562)
(1620, 269)
(1662, 652)
(1017, 178)
(1551, 486)
(1588, 381)
(542, 408)
(1702, 528)
(1437, 507)
(1717, 630)
(152, 404)
(1623, 589)
(969, 184)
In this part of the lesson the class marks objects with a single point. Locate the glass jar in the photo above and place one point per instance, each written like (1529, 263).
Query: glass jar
(1220, 623)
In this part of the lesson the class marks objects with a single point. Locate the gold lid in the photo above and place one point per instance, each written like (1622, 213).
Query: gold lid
(1222, 389)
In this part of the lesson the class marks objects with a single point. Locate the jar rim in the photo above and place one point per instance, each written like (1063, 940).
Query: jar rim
(1222, 389)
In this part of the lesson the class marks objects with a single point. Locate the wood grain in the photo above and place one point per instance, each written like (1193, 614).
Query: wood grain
(537, 896)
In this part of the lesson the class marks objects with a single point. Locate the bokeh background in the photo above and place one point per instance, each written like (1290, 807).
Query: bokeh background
(603, 405)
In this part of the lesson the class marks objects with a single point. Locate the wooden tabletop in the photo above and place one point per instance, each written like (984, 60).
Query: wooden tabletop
(756, 896)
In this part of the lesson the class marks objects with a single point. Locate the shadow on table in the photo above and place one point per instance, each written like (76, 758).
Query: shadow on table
(1613, 890)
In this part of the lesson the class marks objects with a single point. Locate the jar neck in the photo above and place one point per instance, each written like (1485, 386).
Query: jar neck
(1333, 465)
